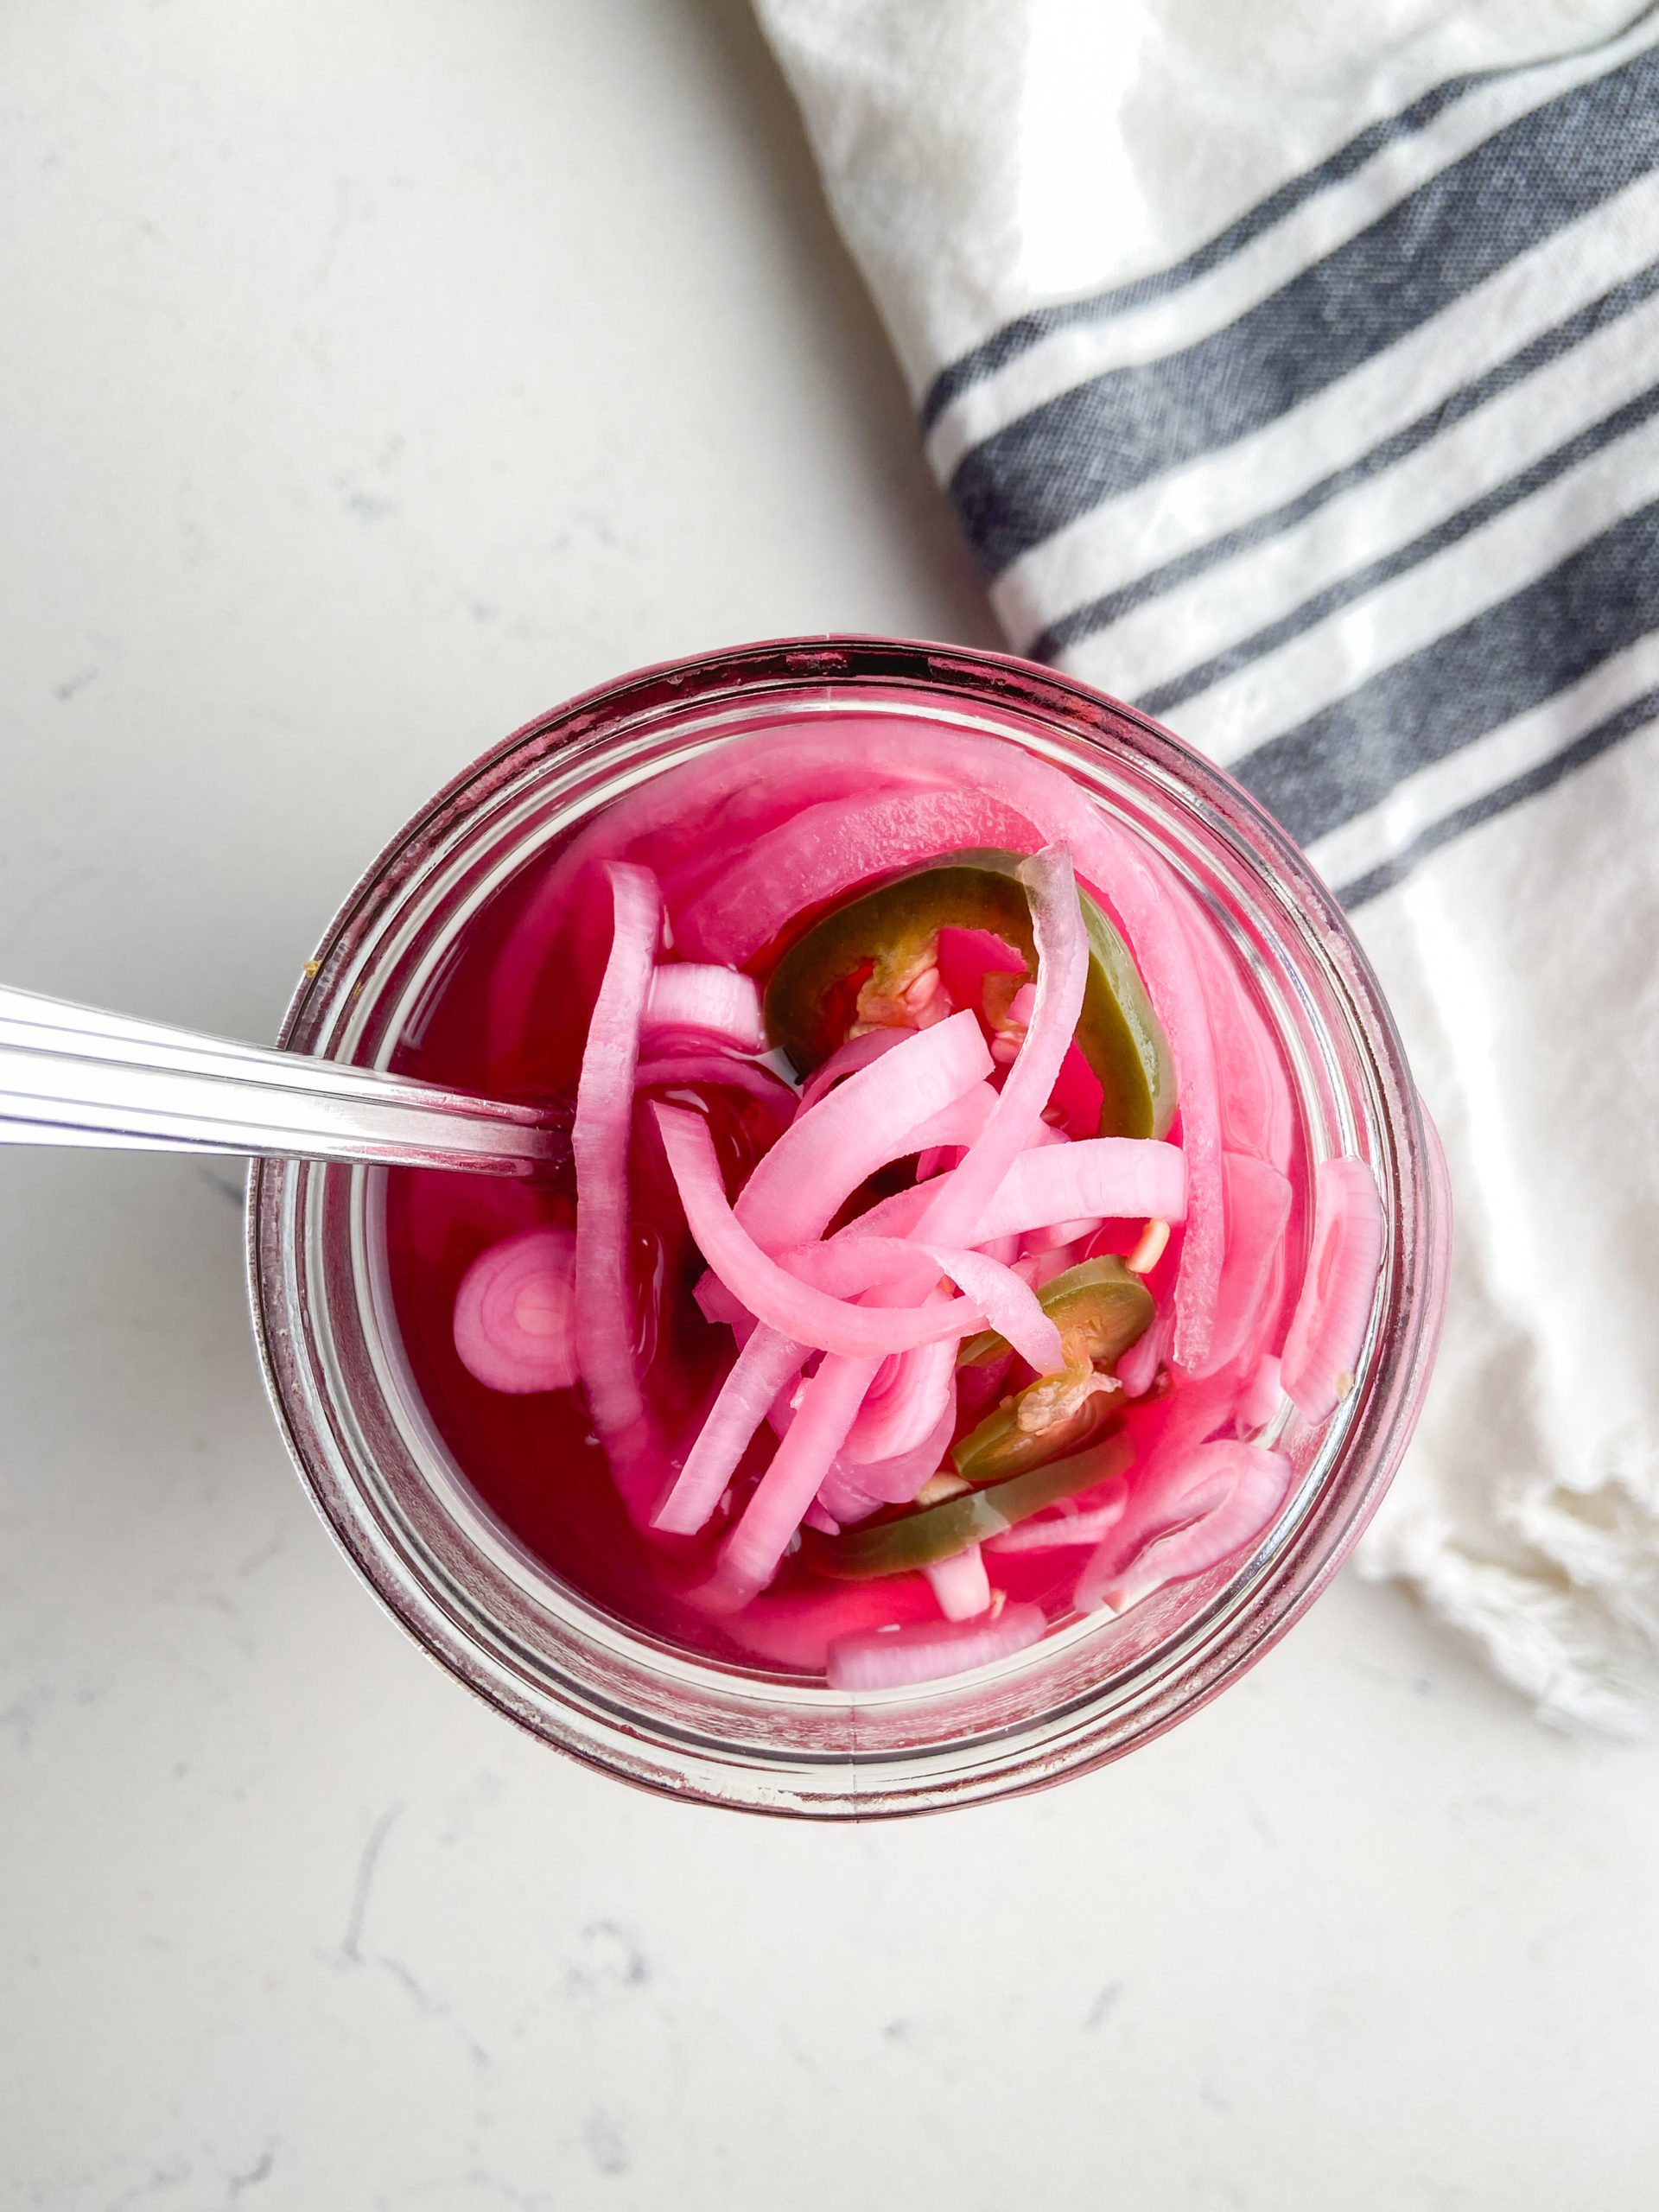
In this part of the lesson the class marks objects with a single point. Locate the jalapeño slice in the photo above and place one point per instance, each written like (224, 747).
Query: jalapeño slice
(879, 943)
(937, 1532)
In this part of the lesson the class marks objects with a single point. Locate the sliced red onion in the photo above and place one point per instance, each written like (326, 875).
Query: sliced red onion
(828, 848)
(1236, 1492)
(847, 1059)
(794, 1308)
(1059, 1234)
(1254, 1094)
(855, 1264)
(1334, 1309)
(840, 1495)
(766, 1365)
(826, 1152)
(714, 1067)
(752, 1551)
(924, 1651)
(705, 1002)
(1070, 1525)
(1113, 1179)
(604, 1319)
(1137, 1369)
(954, 1215)
(794, 1628)
(953, 1128)
(716, 1303)
(904, 1405)
(895, 1481)
(1257, 1212)
(515, 1313)
(1261, 1395)
(961, 1585)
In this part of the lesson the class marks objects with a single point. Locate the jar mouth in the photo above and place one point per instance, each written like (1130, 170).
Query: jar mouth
(482, 1604)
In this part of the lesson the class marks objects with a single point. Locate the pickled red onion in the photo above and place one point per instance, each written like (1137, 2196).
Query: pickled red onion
(780, 1298)
(849, 1265)
(515, 1313)
(847, 1059)
(961, 1585)
(716, 1003)
(826, 1152)
(923, 1651)
(895, 1480)
(829, 849)
(766, 1365)
(1334, 1309)
(1116, 1178)
(1234, 1490)
(1260, 1400)
(828, 1404)
(714, 1067)
(599, 1140)
(1257, 1210)
(902, 1407)
(1059, 1531)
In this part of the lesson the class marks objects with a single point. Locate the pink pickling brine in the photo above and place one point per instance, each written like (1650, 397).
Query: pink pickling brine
(932, 1261)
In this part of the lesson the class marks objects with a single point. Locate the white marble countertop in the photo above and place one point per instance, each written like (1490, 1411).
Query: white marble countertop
(371, 377)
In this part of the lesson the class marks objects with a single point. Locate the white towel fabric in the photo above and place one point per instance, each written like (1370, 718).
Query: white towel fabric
(1292, 371)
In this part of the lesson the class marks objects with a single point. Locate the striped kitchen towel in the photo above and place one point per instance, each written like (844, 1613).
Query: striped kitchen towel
(1295, 372)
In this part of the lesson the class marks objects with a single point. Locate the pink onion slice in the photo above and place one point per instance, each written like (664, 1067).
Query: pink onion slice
(961, 1585)
(604, 1320)
(826, 1153)
(894, 1481)
(1257, 1213)
(830, 848)
(714, 1067)
(802, 1460)
(705, 1002)
(904, 1405)
(1259, 1400)
(1235, 1489)
(796, 1628)
(853, 1264)
(953, 1216)
(765, 1366)
(1254, 1094)
(795, 1308)
(1114, 1179)
(847, 1059)
(1334, 1309)
(1137, 1369)
(716, 1303)
(886, 1659)
(515, 1313)
(841, 1495)
(1064, 1530)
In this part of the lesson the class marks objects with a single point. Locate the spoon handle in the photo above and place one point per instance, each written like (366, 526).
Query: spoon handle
(72, 1075)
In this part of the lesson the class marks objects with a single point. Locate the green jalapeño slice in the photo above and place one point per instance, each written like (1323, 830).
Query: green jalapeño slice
(863, 964)
(935, 1532)
(1100, 1310)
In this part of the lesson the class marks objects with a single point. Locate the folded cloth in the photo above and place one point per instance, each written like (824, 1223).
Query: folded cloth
(1291, 370)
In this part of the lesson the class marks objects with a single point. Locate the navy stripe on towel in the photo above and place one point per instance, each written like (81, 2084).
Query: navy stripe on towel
(1115, 431)
(1345, 759)
(1594, 742)
(1111, 607)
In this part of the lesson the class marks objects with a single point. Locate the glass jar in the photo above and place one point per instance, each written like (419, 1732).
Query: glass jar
(573, 1675)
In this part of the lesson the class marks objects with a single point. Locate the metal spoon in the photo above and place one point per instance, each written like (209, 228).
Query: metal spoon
(72, 1075)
